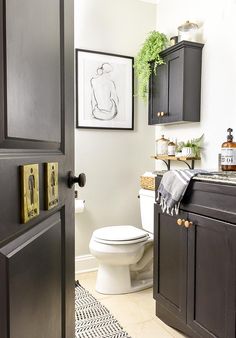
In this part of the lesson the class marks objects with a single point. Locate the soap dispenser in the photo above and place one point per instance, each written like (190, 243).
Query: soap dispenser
(228, 153)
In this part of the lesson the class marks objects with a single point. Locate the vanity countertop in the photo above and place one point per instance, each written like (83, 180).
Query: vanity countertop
(226, 177)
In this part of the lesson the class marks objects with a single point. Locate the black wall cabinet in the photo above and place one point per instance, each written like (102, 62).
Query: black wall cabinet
(175, 91)
(194, 267)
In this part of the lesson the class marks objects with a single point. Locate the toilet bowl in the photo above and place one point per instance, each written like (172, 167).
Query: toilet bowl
(125, 252)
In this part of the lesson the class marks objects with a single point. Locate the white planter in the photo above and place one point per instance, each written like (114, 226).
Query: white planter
(187, 152)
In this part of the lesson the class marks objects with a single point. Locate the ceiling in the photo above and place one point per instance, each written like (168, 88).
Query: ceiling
(151, 1)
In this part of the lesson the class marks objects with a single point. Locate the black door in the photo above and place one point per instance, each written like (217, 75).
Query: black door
(211, 277)
(36, 127)
(170, 266)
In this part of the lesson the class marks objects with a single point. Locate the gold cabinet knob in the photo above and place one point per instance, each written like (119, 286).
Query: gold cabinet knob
(163, 114)
(158, 114)
(180, 221)
(188, 224)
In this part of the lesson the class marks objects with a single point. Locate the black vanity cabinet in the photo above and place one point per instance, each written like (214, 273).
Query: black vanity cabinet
(195, 263)
(174, 92)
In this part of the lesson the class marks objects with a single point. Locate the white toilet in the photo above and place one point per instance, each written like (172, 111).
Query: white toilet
(125, 252)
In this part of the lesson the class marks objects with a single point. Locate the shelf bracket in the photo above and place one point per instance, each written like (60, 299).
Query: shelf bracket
(190, 166)
(167, 162)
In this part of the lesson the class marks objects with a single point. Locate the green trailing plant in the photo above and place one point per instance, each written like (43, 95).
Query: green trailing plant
(150, 51)
(194, 143)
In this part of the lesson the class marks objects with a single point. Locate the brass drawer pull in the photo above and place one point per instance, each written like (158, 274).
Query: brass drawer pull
(158, 114)
(188, 224)
(180, 221)
(163, 113)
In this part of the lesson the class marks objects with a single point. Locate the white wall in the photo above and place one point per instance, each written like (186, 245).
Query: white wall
(218, 103)
(112, 160)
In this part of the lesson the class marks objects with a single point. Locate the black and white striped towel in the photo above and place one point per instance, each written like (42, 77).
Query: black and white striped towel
(172, 188)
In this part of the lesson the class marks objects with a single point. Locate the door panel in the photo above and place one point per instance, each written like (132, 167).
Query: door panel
(36, 126)
(34, 275)
(170, 266)
(33, 69)
(211, 278)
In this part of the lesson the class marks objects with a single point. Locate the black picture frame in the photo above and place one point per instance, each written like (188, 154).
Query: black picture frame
(104, 90)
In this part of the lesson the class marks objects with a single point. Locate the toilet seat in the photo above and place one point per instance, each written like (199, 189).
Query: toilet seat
(123, 234)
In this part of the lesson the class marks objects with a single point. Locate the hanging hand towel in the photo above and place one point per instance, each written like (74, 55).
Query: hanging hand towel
(172, 188)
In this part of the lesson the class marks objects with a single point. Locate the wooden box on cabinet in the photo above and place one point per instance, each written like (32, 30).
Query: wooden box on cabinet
(175, 90)
(194, 266)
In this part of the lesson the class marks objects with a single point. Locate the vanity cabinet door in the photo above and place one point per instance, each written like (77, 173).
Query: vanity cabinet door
(170, 266)
(211, 277)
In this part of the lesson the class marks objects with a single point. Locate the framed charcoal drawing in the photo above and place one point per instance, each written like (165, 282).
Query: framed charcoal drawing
(104, 90)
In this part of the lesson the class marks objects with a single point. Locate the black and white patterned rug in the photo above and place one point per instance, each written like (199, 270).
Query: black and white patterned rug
(92, 319)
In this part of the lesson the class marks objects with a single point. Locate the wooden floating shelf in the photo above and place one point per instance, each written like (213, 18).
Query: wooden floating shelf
(174, 158)
(167, 159)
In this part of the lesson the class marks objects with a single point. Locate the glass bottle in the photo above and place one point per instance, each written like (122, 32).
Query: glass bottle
(228, 153)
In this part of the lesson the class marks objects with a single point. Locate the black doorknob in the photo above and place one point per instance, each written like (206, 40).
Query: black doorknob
(81, 179)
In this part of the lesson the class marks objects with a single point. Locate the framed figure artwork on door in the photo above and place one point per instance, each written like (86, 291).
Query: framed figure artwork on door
(104, 90)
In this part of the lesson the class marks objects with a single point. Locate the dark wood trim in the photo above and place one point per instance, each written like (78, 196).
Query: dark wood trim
(69, 242)
(2, 71)
(167, 317)
(63, 272)
(180, 45)
(62, 48)
(208, 199)
(11, 143)
(4, 295)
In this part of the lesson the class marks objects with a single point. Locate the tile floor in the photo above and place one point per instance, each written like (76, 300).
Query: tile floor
(134, 311)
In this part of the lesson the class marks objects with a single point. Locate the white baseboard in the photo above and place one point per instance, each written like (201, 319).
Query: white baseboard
(85, 263)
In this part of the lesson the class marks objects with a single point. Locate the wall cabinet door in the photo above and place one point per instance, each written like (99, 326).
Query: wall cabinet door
(174, 91)
(211, 277)
(158, 94)
(170, 264)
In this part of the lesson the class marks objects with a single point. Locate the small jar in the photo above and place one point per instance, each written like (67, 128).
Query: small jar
(187, 31)
(162, 146)
(171, 148)
(173, 40)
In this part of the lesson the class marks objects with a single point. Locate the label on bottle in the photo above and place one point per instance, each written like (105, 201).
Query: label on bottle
(228, 156)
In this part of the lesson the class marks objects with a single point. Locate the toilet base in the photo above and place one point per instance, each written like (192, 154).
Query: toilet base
(115, 280)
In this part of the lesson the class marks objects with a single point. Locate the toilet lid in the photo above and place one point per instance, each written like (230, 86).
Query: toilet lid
(123, 234)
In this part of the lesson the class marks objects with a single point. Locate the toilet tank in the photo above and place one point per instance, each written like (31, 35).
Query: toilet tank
(147, 199)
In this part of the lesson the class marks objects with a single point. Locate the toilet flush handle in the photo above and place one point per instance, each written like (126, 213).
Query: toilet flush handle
(81, 179)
